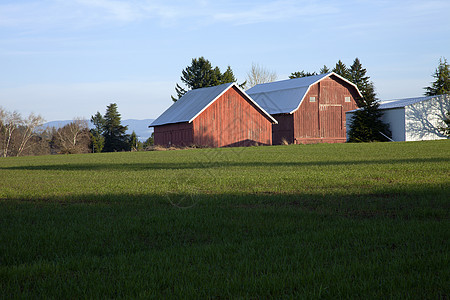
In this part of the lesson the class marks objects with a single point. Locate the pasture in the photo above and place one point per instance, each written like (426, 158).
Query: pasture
(299, 221)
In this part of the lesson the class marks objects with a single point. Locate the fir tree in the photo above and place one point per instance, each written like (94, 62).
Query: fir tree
(113, 131)
(324, 70)
(98, 141)
(301, 74)
(201, 74)
(366, 124)
(342, 70)
(135, 144)
(442, 83)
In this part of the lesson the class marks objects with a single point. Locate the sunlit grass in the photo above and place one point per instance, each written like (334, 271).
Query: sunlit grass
(348, 220)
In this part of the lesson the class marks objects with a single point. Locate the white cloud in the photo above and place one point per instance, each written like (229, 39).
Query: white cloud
(84, 13)
(275, 11)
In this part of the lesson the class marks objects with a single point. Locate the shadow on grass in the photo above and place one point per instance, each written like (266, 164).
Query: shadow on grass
(211, 164)
(410, 201)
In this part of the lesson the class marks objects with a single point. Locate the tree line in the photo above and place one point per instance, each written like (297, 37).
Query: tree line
(21, 136)
(27, 136)
(366, 124)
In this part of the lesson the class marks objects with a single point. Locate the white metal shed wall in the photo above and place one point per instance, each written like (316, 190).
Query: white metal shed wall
(423, 119)
(396, 119)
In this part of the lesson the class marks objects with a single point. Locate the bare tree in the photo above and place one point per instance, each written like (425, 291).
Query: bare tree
(72, 138)
(17, 134)
(258, 74)
(9, 122)
(29, 130)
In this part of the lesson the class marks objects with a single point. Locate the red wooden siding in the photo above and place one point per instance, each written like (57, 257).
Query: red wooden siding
(324, 120)
(232, 121)
(179, 134)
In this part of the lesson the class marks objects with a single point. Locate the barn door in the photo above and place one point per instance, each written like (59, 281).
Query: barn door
(330, 120)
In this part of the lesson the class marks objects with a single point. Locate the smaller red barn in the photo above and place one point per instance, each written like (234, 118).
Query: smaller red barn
(217, 116)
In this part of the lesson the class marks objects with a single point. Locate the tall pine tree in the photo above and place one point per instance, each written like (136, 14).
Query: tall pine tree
(324, 70)
(201, 74)
(114, 132)
(98, 140)
(342, 70)
(366, 124)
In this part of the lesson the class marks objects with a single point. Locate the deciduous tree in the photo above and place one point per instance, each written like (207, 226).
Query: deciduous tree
(258, 74)
(72, 138)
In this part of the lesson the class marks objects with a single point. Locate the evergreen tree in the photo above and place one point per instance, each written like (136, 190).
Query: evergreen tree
(324, 70)
(366, 125)
(301, 74)
(98, 140)
(135, 145)
(113, 131)
(442, 83)
(201, 74)
(342, 70)
(149, 141)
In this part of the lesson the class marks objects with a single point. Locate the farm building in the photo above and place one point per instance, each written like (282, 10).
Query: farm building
(217, 116)
(414, 119)
(309, 109)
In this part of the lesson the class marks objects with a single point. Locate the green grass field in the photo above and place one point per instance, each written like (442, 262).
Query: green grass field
(299, 221)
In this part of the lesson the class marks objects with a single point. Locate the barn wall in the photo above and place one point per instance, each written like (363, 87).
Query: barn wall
(323, 121)
(179, 134)
(284, 130)
(232, 121)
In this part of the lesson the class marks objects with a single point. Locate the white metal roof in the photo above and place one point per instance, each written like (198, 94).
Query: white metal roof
(399, 103)
(285, 96)
(194, 102)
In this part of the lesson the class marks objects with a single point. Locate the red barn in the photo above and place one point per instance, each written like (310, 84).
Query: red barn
(308, 109)
(217, 116)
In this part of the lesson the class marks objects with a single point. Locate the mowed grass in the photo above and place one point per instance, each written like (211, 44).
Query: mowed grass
(298, 221)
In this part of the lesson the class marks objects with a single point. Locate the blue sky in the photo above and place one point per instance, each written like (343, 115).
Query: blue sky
(71, 58)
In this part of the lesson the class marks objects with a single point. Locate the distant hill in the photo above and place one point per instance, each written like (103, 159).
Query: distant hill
(138, 126)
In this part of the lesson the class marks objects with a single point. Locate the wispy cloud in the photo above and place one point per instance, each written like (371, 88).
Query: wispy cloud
(81, 13)
(276, 11)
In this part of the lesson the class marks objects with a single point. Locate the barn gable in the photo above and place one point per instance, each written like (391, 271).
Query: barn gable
(308, 109)
(285, 96)
(215, 116)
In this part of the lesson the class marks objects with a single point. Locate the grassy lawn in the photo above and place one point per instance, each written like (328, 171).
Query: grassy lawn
(300, 221)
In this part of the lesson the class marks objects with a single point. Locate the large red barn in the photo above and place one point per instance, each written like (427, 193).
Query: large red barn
(308, 109)
(217, 116)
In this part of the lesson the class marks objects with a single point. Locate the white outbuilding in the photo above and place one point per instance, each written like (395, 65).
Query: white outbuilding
(413, 119)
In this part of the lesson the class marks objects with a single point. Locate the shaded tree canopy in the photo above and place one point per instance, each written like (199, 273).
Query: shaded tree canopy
(442, 83)
(201, 74)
